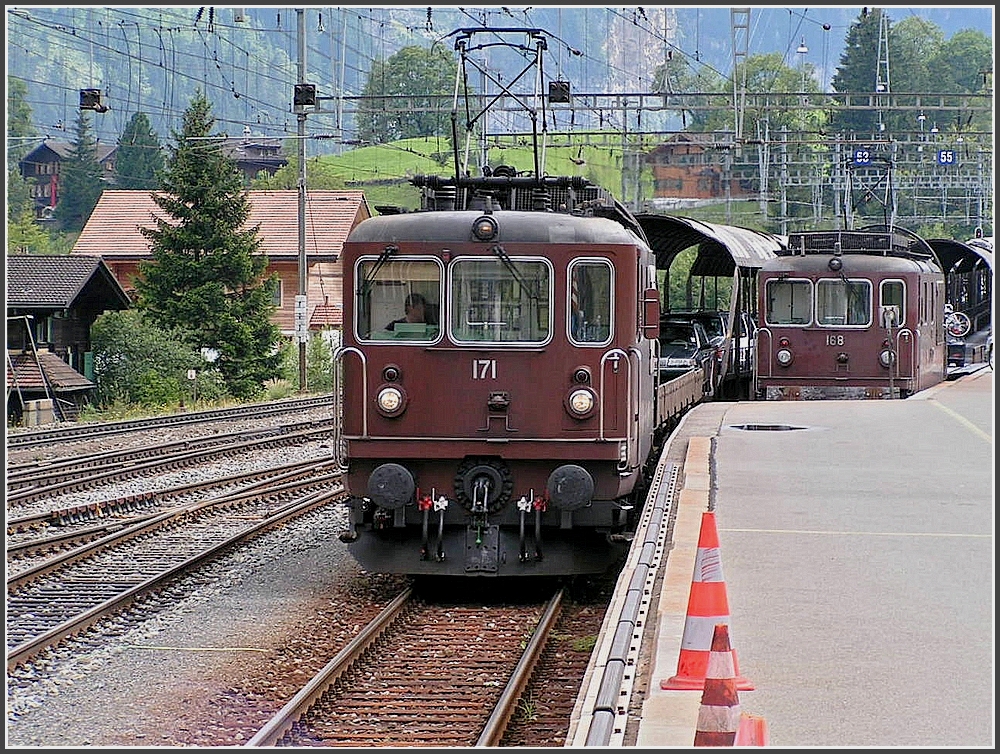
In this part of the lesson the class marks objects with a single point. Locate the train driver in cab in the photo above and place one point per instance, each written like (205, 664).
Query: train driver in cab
(415, 311)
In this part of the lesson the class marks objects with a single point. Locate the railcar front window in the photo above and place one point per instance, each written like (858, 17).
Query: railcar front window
(892, 298)
(789, 302)
(843, 302)
(500, 300)
(398, 299)
(590, 301)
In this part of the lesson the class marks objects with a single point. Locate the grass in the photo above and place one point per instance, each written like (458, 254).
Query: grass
(527, 710)
(383, 171)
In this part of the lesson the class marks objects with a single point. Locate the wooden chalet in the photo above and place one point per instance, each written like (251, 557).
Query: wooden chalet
(253, 154)
(40, 170)
(52, 302)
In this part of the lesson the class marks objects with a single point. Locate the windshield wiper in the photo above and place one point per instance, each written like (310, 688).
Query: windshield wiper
(512, 269)
(369, 280)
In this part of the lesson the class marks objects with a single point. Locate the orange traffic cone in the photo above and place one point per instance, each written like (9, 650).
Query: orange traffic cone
(719, 713)
(752, 731)
(707, 606)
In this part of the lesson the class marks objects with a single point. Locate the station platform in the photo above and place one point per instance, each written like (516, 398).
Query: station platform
(858, 568)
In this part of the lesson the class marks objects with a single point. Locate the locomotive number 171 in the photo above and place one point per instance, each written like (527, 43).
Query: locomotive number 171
(484, 369)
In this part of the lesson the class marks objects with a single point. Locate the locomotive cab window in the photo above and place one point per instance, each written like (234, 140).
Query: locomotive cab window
(841, 302)
(789, 302)
(591, 303)
(501, 300)
(892, 298)
(398, 299)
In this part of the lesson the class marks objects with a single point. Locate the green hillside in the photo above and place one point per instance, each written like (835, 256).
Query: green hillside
(382, 171)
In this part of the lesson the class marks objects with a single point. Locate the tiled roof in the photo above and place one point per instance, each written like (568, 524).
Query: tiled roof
(113, 228)
(64, 149)
(52, 281)
(327, 315)
(26, 376)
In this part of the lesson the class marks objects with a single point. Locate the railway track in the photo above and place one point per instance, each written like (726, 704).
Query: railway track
(32, 534)
(70, 433)
(69, 476)
(69, 592)
(421, 674)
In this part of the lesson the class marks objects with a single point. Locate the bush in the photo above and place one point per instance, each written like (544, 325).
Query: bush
(138, 363)
(155, 389)
(319, 362)
(276, 390)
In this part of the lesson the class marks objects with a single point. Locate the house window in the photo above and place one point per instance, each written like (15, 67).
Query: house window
(43, 331)
(274, 284)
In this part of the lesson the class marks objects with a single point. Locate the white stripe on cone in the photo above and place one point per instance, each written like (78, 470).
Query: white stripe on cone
(713, 719)
(708, 564)
(721, 665)
(699, 630)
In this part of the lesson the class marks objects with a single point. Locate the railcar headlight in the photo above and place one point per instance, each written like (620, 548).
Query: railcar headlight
(485, 228)
(886, 357)
(784, 356)
(390, 400)
(580, 402)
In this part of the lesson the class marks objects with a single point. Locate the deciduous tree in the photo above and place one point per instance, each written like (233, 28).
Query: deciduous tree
(416, 73)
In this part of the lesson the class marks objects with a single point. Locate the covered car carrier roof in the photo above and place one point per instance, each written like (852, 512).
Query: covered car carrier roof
(721, 248)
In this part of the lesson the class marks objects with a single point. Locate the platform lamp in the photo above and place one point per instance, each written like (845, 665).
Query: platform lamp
(802, 50)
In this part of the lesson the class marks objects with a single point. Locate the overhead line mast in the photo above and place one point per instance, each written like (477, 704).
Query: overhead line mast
(740, 18)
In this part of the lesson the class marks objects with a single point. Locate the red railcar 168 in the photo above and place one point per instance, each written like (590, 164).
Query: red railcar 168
(850, 314)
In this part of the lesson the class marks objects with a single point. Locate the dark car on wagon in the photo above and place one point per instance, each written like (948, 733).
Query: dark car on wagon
(685, 345)
(739, 357)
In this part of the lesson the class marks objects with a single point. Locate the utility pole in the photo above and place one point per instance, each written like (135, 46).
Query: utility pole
(302, 300)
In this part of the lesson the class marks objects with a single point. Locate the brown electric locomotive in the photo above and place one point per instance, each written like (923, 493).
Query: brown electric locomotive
(498, 376)
(850, 314)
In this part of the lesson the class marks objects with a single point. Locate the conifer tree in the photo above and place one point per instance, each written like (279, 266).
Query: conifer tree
(20, 140)
(139, 156)
(80, 179)
(19, 128)
(857, 72)
(206, 275)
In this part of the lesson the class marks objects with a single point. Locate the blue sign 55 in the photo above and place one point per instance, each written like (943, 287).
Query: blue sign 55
(947, 157)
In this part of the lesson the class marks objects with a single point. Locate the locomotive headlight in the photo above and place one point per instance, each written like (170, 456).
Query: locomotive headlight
(390, 400)
(581, 402)
(485, 228)
(886, 357)
(784, 356)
